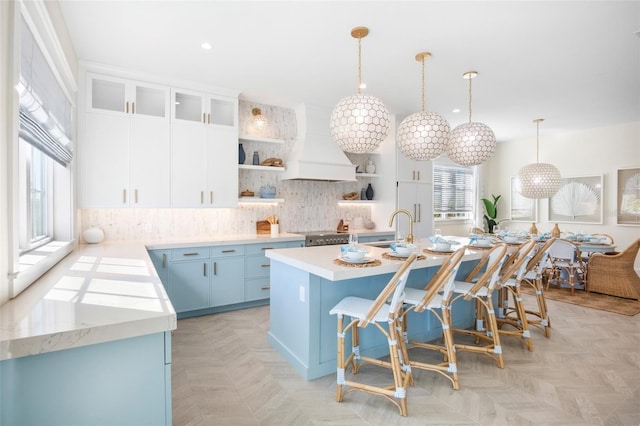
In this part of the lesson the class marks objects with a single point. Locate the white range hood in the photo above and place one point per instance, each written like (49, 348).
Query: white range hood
(315, 155)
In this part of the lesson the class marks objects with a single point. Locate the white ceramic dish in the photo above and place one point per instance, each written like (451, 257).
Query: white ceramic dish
(482, 243)
(442, 247)
(396, 254)
(363, 260)
(449, 250)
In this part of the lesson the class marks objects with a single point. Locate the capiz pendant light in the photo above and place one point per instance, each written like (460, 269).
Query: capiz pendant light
(359, 123)
(539, 180)
(471, 143)
(423, 135)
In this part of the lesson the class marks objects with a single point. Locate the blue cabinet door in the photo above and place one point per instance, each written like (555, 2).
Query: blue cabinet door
(160, 260)
(227, 281)
(189, 284)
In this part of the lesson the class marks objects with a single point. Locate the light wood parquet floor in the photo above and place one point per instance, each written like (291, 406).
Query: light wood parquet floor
(588, 373)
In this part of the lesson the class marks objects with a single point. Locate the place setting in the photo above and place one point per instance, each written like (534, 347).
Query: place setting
(440, 246)
(401, 251)
(355, 256)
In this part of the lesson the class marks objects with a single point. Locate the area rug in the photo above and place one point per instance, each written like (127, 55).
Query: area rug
(598, 301)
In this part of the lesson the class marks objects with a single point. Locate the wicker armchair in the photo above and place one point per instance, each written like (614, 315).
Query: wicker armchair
(615, 274)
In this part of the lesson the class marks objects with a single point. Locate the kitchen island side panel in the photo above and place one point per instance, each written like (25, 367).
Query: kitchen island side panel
(123, 382)
(304, 332)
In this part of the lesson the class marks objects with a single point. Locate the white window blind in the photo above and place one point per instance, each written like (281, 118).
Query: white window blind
(452, 189)
(45, 112)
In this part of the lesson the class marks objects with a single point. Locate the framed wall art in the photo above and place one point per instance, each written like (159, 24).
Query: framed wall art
(579, 200)
(629, 196)
(522, 209)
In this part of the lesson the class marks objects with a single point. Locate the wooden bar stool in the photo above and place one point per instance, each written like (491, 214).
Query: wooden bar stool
(435, 298)
(386, 308)
(479, 286)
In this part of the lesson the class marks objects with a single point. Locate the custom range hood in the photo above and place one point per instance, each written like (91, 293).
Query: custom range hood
(315, 155)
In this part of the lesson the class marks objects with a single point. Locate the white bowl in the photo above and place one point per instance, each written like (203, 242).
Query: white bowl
(404, 250)
(483, 243)
(357, 254)
(443, 246)
(510, 239)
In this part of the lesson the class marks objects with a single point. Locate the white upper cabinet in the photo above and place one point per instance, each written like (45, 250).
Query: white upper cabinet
(409, 170)
(204, 150)
(203, 108)
(121, 96)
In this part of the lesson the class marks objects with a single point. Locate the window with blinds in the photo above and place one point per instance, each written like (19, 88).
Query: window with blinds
(453, 188)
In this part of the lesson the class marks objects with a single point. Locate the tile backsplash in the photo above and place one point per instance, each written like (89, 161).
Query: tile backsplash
(308, 205)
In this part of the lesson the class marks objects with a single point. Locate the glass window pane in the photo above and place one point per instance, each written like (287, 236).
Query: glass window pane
(150, 101)
(107, 95)
(188, 107)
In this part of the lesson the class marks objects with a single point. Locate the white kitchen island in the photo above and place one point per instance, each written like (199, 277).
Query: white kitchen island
(306, 284)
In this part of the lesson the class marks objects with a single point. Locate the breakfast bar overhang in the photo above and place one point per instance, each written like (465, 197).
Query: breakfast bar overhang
(306, 284)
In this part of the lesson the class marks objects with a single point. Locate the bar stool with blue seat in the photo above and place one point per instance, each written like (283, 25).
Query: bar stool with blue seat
(386, 308)
(435, 298)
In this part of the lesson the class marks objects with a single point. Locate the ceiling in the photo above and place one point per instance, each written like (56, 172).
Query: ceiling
(574, 63)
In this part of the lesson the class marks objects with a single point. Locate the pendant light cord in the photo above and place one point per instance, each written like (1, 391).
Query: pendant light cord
(359, 64)
(537, 140)
(423, 83)
(470, 99)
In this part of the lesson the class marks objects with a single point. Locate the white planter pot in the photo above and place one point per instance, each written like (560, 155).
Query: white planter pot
(93, 235)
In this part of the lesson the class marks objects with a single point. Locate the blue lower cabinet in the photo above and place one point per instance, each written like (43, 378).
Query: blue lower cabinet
(203, 280)
(123, 382)
(227, 281)
(189, 287)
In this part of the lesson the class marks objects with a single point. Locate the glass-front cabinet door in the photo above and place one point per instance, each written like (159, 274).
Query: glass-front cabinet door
(120, 96)
(223, 111)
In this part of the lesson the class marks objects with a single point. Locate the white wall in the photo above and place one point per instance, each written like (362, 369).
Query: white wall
(593, 152)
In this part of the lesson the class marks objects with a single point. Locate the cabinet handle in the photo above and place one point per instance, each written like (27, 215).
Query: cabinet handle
(204, 269)
(204, 118)
(215, 268)
(265, 265)
(164, 260)
(135, 195)
(133, 107)
(267, 248)
(413, 175)
(193, 253)
(266, 287)
(124, 196)
(201, 197)
(210, 197)
(208, 118)
(415, 213)
(419, 212)
(418, 174)
(126, 108)
(228, 251)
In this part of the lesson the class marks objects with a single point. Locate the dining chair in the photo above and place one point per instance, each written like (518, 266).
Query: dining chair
(479, 285)
(512, 274)
(435, 297)
(533, 278)
(614, 274)
(385, 309)
(566, 265)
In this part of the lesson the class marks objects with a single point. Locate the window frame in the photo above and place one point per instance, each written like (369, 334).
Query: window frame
(441, 215)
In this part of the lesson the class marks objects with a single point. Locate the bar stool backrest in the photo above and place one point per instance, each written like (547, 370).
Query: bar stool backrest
(443, 281)
(394, 290)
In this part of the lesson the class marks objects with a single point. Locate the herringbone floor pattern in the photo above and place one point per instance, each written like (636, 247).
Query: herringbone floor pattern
(587, 373)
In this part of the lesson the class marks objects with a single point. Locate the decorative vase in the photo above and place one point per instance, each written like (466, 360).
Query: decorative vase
(369, 192)
(363, 194)
(256, 158)
(555, 232)
(370, 167)
(241, 154)
(93, 235)
(533, 230)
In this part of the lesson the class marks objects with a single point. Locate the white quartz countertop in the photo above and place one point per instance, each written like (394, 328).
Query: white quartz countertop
(221, 240)
(320, 261)
(98, 293)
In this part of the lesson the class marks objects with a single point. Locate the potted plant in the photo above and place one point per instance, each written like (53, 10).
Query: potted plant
(491, 212)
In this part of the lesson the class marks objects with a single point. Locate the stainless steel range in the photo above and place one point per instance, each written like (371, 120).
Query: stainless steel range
(324, 238)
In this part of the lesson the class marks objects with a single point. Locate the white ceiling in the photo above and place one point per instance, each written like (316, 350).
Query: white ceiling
(574, 63)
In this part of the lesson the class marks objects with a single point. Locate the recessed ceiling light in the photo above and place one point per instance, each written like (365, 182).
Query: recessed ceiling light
(206, 45)
(456, 110)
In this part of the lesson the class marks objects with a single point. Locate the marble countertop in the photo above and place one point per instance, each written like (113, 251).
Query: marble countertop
(98, 293)
(320, 261)
(221, 240)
